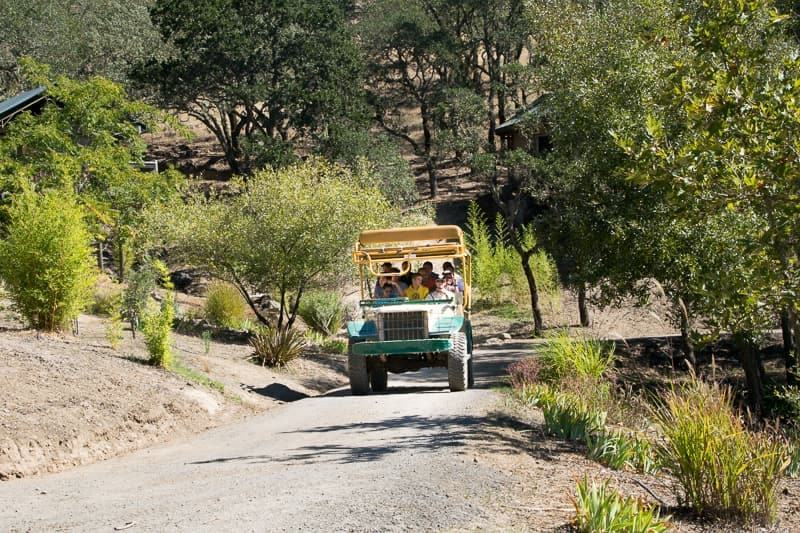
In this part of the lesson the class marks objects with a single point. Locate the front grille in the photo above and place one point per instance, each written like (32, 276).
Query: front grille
(403, 326)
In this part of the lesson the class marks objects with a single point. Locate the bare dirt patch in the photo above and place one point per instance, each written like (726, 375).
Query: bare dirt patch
(70, 400)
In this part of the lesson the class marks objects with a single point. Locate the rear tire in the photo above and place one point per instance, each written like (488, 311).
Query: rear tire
(378, 376)
(470, 373)
(458, 363)
(357, 371)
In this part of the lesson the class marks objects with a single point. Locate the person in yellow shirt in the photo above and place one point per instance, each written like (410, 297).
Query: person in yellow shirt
(417, 291)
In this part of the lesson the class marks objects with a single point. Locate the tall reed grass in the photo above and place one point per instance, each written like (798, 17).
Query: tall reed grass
(720, 467)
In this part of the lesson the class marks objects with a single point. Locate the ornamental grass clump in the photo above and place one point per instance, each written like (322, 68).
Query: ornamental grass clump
(720, 468)
(225, 305)
(277, 345)
(599, 508)
(618, 451)
(563, 357)
(569, 416)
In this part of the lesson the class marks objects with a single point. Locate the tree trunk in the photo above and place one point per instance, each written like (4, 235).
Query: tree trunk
(687, 346)
(430, 160)
(295, 307)
(583, 309)
(538, 322)
(750, 359)
(121, 259)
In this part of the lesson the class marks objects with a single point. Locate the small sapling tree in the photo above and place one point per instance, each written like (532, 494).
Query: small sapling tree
(286, 231)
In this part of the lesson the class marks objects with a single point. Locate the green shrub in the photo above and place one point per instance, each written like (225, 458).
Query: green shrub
(323, 311)
(719, 466)
(225, 305)
(114, 329)
(46, 259)
(563, 357)
(206, 336)
(106, 300)
(600, 509)
(135, 297)
(157, 329)
(569, 416)
(497, 273)
(618, 451)
(276, 346)
(337, 346)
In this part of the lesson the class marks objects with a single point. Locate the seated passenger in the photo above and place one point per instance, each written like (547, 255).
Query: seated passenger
(459, 280)
(406, 278)
(385, 267)
(450, 284)
(387, 288)
(439, 293)
(427, 275)
(401, 286)
(417, 291)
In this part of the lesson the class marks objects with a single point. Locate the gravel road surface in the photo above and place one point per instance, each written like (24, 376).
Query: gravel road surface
(398, 461)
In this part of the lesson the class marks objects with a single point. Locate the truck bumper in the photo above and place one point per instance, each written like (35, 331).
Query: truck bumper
(401, 347)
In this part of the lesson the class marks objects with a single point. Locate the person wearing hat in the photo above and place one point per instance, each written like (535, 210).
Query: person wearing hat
(459, 280)
(450, 284)
(439, 292)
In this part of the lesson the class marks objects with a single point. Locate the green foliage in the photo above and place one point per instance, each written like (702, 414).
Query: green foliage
(618, 450)
(497, 273)
(337, 346)
(718, 139)
(46, 259)
(323, 311)
(114, 329)
(719, 466)
(259, 70)
(563, 357)
(90, 38)
(141, 284)
(276, 346)
(375, 155)
(225, 306)
(288, 230)
(206, 336)
(569, 416)
(157, 329)
(600, 509)
(196, 377)
(85, 141)
(106, 300)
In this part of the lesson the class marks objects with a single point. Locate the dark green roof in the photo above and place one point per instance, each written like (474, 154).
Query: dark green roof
(19, 103)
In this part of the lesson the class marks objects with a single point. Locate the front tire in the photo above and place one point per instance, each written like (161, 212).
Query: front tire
(458, 363)
(357, 371)
(378, 376)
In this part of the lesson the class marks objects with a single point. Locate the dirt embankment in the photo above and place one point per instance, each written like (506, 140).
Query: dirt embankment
(71, 400)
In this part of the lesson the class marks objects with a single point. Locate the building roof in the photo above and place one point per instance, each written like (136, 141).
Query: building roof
(19, 103)
(535, 110)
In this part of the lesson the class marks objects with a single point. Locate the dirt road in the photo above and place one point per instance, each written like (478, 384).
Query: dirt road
(396, 461)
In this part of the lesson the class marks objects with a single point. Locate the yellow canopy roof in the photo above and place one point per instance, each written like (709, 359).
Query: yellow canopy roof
(419, 234)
